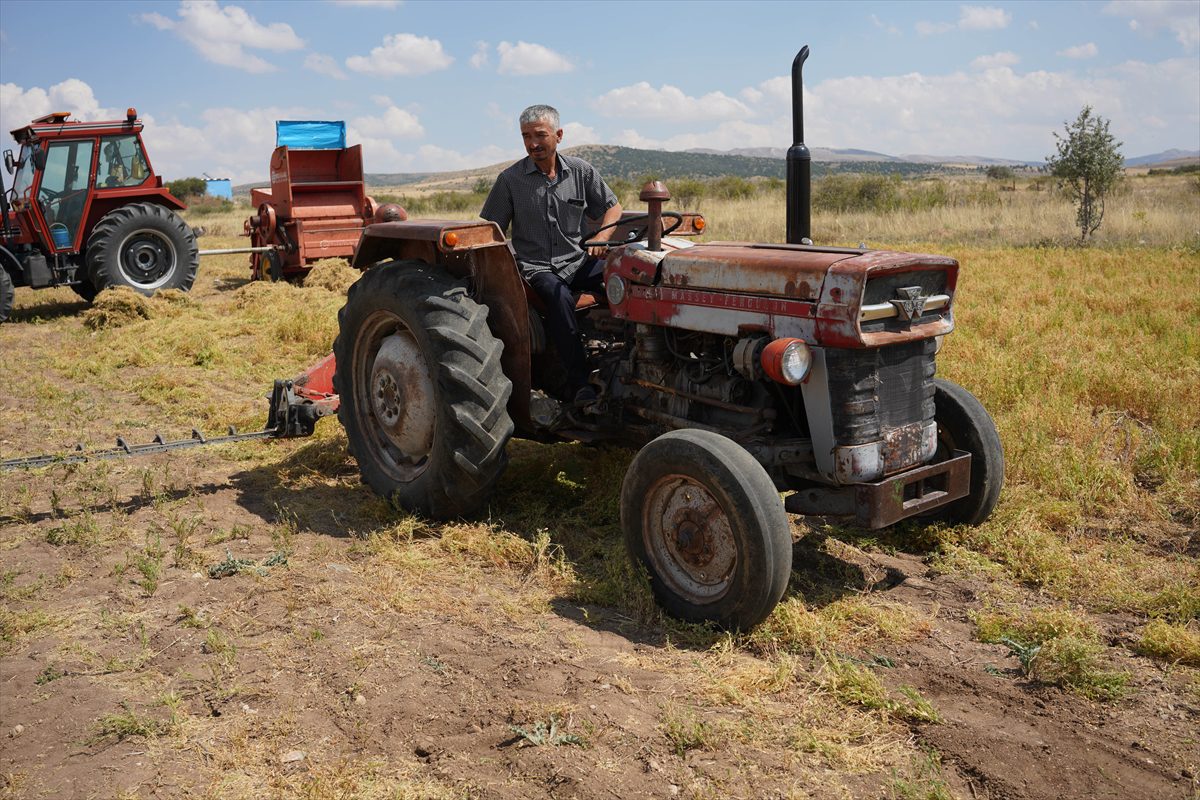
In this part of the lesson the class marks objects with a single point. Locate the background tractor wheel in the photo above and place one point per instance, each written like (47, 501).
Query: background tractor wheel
(707, 523)
(143, 246)
(964, 424)
(423, 396)
(85, 289)
(6, 294)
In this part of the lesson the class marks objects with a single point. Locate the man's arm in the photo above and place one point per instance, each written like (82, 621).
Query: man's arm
(610, 216)
(498, 207)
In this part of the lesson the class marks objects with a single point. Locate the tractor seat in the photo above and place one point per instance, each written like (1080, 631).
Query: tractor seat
(583, 300)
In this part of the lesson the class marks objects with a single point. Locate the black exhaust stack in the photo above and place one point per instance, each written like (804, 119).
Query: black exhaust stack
(799, 164)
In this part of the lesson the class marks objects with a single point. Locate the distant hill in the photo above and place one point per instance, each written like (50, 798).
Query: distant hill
(632, 164)
(1172, 158)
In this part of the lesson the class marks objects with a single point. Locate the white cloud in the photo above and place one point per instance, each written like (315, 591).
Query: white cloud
(643, 100)
(479, 59)
(883, 26)
(1002, 59)
(992, 112)
(526, 58)
(324, 65)
(970, 18)
(577, 133)
(222, 35)
(1180, 18)
(20, 106)
(402, 54)
(229, 143)
(983, 18)
(393, 123)
(1088, 50)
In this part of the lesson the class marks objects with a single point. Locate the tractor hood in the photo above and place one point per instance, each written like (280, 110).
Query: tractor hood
(776, 270)
(839, 297)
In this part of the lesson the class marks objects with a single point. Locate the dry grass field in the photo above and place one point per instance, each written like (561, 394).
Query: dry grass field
(249, 621)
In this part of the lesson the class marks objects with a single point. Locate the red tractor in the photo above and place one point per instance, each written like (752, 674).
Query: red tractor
(87, 211)
(743, 371)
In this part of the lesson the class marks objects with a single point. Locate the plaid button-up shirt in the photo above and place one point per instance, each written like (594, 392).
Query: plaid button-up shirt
(547, 215)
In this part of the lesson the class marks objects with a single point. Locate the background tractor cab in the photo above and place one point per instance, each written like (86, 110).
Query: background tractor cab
(87, 211)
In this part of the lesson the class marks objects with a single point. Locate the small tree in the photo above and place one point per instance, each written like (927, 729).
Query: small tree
(1087, 166)
(998, 172)
(188, 187)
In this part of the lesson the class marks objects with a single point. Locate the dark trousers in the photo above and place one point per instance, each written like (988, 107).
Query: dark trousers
(561, 325)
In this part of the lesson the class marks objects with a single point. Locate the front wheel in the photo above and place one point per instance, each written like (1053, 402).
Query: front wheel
(706, 522)
(964, 424)
(144, 246)
(423, 395)
(6, 294)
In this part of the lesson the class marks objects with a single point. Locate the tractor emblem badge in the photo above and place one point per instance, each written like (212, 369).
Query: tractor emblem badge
(909, 302)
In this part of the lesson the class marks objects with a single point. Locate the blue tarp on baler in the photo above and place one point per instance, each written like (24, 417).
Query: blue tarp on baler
(310, 135)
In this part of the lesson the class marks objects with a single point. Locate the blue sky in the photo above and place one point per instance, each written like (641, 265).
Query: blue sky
(437, 86)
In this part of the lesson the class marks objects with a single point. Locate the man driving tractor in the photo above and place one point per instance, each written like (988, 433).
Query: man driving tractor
(545, 197)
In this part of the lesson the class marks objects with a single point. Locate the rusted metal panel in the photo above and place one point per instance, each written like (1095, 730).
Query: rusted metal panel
(716, 312)
(776, 271)
(498, 285)
(382, 240)
(877, 505)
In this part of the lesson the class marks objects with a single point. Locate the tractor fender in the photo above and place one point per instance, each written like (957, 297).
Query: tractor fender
(475, 251)
(10, 264)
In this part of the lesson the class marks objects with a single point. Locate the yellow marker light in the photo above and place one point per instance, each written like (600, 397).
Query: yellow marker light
(698, 224)
(449, 238)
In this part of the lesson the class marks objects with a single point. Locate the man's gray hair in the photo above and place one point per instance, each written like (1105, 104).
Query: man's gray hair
(541, 114)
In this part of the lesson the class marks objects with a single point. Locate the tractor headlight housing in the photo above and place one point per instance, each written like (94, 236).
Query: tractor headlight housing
(615, 289)
(787, 361)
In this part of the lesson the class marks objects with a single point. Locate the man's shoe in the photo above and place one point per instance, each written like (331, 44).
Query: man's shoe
(585, 397)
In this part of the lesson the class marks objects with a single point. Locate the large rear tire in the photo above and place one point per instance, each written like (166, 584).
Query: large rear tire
(6, 294)
(144, 246)
(964, 424)
(705, 520)
(423, 395)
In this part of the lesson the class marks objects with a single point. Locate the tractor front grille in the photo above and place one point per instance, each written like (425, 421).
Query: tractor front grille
(879, 389)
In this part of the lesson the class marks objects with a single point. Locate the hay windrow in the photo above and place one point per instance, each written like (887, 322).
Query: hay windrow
(333, 274)
(116, 307)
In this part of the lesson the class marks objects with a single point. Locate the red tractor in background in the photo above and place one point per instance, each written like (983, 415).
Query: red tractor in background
(87, 211)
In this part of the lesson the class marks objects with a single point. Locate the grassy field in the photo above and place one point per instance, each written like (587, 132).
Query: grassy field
(251, 621)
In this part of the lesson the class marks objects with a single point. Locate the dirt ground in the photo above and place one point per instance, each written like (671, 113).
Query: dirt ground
(337, 666)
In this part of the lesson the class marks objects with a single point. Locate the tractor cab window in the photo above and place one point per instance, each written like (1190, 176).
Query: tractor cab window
(23, 178)
(63, 193)
(122, 162)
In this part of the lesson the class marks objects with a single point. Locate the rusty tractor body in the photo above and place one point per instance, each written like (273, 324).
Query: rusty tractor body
(315, 208)
(740, 370)
(86, 210)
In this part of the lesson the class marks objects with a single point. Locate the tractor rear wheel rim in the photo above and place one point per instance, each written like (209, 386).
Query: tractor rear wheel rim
(397, 397)
(147, 258)
(689, 539)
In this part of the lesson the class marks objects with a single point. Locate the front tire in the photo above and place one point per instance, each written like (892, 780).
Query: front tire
(423, 395)
(964, 424)
(6, 294)
(706, 522)
(144, 246)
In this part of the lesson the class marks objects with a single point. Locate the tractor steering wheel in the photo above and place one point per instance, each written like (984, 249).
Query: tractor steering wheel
(636, 234)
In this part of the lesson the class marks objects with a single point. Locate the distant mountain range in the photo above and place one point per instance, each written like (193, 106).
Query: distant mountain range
(632, 164)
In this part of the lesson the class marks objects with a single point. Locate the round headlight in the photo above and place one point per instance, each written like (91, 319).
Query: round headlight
(787, 361)
(615, 289)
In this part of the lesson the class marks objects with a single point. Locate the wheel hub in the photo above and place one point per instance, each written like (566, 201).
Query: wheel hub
(690, 539)
(402, 396)
(147, 258)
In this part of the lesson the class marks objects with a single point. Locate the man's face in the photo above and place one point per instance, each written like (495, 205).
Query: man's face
(541, 141)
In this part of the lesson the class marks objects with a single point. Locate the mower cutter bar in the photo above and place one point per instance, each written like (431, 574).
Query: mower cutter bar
(294, 412)
(124, 449)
